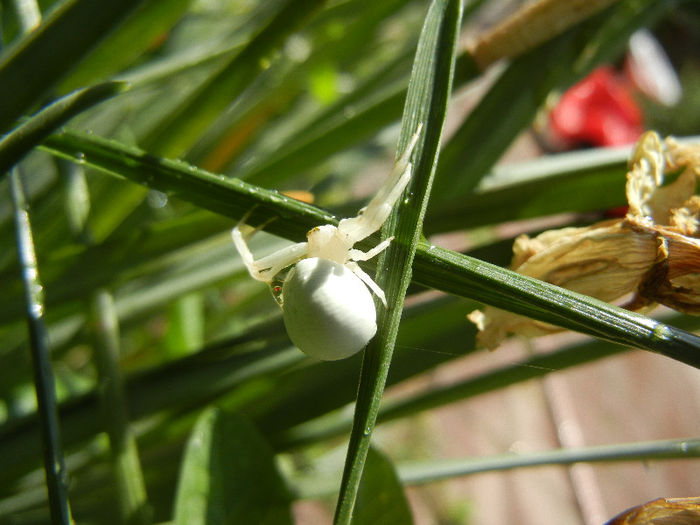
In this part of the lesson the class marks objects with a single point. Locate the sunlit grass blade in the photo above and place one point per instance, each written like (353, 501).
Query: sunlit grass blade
(426, 105)
(512, 102)
(180, 129)
(433, 267)
(54, 465)
(227, 196)
(76, 199)
(429, 471)
(486, 282)
(149, 21)
(15, 144)
(236, 135)
(588, 181)
(421, 472)
(31, 69)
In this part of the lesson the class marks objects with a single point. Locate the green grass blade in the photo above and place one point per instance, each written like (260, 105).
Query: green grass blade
(28, 15)
(421, 472)
(433, 267)
(72, 276)
(54, 465)
(193, 380)
(229, 476)
(417, 472)
(260, 355)
(534, 367)
(30, 70)
(128, 474)
(513, 101)
(350, 120)
(468, 277)
(122, 47)
(588, 181)
(180, 129)
(224, 195)
(426, 102)
(320, 139)
(284, 85)
(29, 133)
(186, 325)
(76, 198)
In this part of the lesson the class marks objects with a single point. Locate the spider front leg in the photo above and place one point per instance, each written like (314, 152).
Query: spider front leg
(359, 255)
(371, 218)
(266, 268)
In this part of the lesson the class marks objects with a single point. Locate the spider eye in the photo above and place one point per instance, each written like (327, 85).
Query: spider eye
(276, 290)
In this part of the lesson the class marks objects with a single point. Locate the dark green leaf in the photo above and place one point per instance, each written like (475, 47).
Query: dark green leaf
(229, 476)
(426, 104)
(381, 497)
(44, 381)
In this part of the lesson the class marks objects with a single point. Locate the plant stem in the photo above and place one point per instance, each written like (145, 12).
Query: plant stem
(56, 475)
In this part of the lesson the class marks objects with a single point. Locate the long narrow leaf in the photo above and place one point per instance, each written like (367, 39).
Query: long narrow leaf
(430, 471)
(22, 139)
(229, 476)
(537, 299)
(426, 472)
(433, 267)
(512, 103)
(426, 102)
(125, 459)
(149, 21)
(54, 465)
(178, 132)
(30, 70)
(229, 364)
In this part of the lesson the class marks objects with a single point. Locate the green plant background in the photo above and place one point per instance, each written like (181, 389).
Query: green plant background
(136, 134)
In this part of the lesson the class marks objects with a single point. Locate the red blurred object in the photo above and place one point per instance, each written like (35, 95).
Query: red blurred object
(598, 111)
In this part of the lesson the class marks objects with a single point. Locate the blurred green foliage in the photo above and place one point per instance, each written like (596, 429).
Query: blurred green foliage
(230, 103)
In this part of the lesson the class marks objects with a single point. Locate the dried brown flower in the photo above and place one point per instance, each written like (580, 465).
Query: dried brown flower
(652, 253)
(661, 511)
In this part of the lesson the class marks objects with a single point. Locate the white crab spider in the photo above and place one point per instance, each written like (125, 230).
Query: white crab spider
(328, 310)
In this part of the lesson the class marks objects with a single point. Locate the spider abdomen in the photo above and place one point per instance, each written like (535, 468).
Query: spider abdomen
(328, 311)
